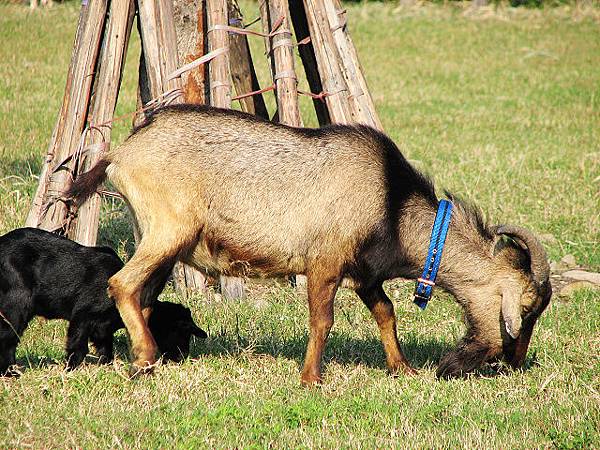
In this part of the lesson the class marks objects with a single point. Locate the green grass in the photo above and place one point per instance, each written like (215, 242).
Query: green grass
(502, 107)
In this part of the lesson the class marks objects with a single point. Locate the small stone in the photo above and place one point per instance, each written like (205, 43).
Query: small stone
(571, 288)
(569, 260)
(582, 275)
(548, 238)
(558, 267)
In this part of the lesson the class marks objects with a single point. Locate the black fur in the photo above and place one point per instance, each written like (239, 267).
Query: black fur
(468, 356)
(381, 256)
(43, 274)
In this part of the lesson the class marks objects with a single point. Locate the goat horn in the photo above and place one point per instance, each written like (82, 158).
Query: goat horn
(540, 269)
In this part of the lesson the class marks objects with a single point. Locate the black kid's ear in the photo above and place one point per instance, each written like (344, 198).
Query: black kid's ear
(196, 331)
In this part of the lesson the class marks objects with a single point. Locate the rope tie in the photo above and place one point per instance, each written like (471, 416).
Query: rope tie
(216, 84)
(250, 94)
(285, 42)
(320, 96)
(285, 74)
(304, 41)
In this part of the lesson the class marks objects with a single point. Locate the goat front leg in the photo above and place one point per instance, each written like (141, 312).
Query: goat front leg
(77, 342)
(126, 288)
(104, 347)
(382, 309)
(321, 293)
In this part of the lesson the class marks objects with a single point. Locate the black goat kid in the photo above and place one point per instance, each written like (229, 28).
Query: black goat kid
(42, 274)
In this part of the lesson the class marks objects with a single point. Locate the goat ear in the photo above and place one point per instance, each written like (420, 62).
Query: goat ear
(501, 240)
(197, 331)
(511, 309)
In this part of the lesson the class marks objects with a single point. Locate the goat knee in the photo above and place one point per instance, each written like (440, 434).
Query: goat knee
(117, 290)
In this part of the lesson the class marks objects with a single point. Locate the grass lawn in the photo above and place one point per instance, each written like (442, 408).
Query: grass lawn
(502, 107)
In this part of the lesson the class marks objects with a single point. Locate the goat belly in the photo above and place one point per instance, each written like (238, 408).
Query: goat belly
(235, 257)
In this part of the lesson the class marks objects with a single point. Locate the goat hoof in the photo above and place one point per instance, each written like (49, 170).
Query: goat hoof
(11, 372)
(137, 370)
(400, 369)
(104, 360)
(311, 381)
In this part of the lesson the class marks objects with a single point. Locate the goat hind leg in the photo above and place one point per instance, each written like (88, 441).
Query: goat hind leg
(321, 294)
(127, 286)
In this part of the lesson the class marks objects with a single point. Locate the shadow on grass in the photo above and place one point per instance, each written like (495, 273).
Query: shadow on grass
(115, 229)
(30, 360)
(341, 348)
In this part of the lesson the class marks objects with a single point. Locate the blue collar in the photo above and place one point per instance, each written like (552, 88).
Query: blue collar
(426, 282)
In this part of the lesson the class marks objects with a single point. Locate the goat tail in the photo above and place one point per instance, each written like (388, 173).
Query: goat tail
(86, 184)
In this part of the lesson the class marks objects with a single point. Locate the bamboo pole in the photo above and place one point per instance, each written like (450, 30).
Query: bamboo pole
(283, 71)
(189, 19)
(46, 210)
(276, 14)
(243, 74)
(337, 99)
(104, 100)
(220, 87)
(191, 44)
(220, 96)
(264, 19)
(308, 58)
(188, 280)
(159, 45)
(360, 98)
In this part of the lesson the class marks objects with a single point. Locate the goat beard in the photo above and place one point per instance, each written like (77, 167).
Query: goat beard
(469, 355)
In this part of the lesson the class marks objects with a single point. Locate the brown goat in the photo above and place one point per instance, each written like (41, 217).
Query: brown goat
(230, 193)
